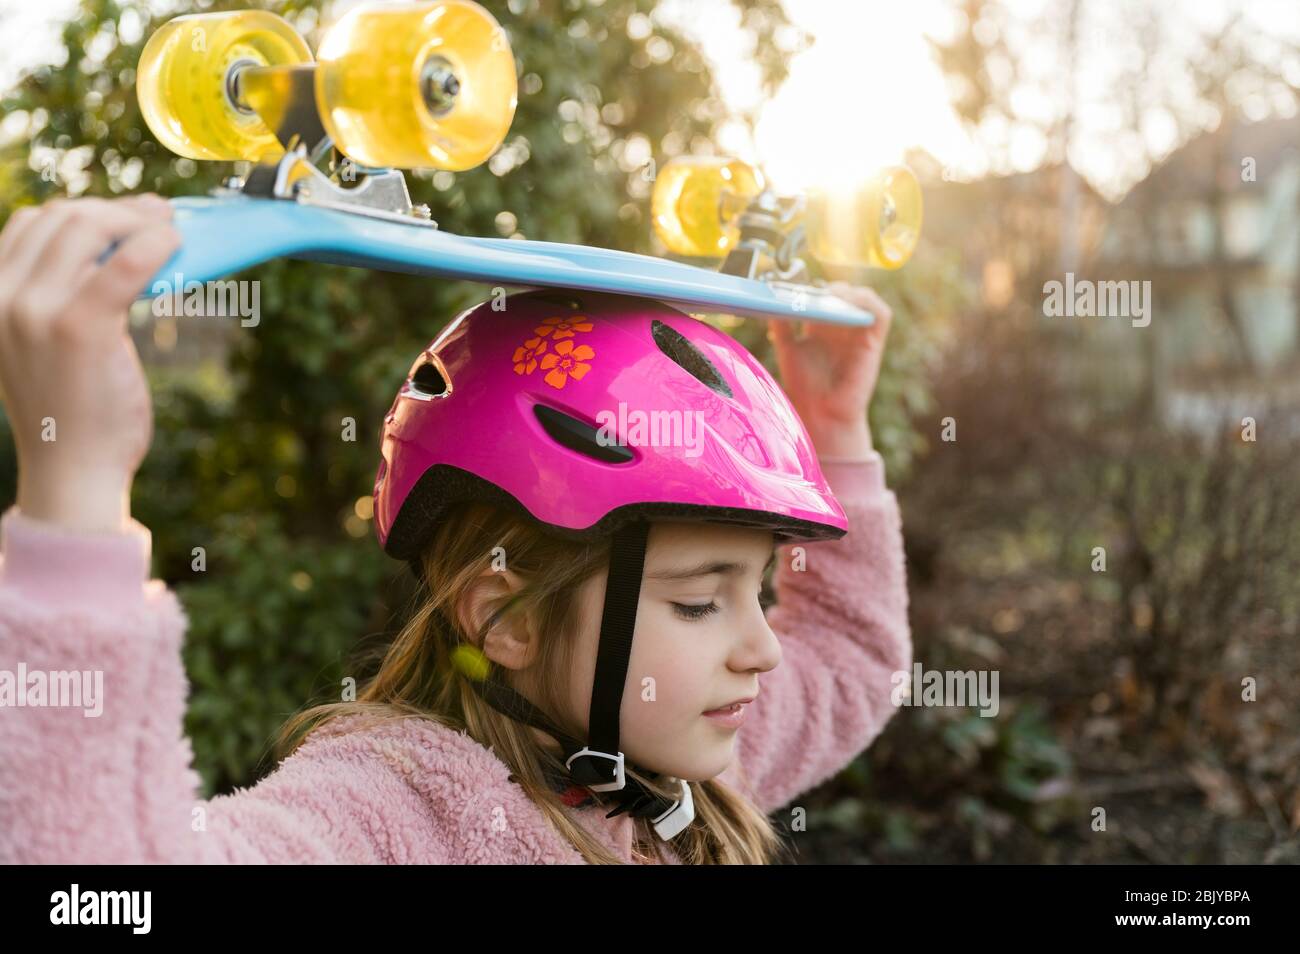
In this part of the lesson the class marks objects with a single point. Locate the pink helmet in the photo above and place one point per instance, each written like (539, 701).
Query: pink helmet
(593, 414)
(538, 408)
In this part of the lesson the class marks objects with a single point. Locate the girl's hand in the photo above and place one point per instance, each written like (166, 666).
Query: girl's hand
(830, 372)
(68, 368)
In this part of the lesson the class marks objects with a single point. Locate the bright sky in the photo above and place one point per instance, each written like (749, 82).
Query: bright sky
(868, 88)
(855, 100)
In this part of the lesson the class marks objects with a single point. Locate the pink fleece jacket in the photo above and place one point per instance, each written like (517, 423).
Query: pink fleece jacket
(119, 787)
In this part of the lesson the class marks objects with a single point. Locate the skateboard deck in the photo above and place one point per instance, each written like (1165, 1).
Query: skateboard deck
(224, 235)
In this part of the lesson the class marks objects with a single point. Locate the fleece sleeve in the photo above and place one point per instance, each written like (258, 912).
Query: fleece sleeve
(841, 618)
(96, 768)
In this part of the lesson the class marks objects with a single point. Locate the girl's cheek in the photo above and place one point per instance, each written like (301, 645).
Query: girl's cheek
(672, 667)
(656, 676)
(682, 688)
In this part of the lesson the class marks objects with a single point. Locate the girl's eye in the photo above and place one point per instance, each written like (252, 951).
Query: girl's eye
(686, 611)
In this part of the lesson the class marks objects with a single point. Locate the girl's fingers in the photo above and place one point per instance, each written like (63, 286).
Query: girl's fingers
(116, 283)
(864, 297)
(840, 337)
(56, 222)
(15, 227)
(24, 248)
(867, 299)
(91, 231)
(877, 306)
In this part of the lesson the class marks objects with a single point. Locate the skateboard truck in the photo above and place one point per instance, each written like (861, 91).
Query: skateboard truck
(293, 117)
(717, 207)
(771, 240)
(379, 193)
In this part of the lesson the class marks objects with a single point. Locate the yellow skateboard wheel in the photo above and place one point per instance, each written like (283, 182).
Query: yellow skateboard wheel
(417, 85)
(878, 226)
(696, 202)
(185, 82)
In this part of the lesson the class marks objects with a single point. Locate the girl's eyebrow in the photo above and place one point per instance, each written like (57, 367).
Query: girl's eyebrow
(707, 568)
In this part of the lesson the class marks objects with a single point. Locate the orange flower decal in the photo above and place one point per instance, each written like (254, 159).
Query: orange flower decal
(562, 326)
(525, 358)
(565, 362)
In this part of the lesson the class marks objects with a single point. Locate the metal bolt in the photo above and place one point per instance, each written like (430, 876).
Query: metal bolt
(439, 85)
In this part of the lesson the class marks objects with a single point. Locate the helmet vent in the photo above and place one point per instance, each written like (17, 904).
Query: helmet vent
(428, 382)
(579, 436)
(680, 349)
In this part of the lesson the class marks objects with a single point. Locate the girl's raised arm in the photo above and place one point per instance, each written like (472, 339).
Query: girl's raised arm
(94, 763)
(841, 617)
(841, 612)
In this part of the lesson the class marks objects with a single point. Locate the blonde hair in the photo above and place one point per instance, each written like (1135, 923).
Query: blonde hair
(424, 674)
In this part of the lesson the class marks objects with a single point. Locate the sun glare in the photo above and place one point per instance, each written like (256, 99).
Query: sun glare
(865, 91)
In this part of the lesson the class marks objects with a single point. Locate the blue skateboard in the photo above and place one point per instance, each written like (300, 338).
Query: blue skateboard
(224, 235)
(432, 85)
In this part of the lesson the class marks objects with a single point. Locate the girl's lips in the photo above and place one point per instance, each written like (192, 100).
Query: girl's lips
(731, 717)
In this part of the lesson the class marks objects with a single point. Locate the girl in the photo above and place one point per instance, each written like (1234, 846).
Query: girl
(515, 718)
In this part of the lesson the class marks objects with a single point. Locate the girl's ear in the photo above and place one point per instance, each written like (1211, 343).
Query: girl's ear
(509, 642)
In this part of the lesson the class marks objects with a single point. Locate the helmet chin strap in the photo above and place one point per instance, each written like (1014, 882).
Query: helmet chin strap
(600, 765)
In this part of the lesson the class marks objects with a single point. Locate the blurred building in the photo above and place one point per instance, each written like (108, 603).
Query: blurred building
(1007, 229)
(1216, 229)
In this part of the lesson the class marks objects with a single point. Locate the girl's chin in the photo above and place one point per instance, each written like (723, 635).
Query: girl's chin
(704, 753)
(702, 764)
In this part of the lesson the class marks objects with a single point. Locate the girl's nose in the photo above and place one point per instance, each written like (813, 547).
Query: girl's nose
(757, 649)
